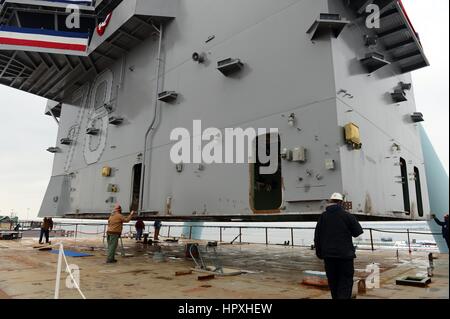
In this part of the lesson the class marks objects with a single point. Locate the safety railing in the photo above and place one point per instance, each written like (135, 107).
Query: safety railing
(268, 235)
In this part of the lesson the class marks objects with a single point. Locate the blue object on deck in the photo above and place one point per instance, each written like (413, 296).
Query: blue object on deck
(70, 253)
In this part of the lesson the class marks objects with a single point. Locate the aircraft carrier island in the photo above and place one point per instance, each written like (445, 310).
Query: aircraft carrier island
(223, 112)
(335, 85)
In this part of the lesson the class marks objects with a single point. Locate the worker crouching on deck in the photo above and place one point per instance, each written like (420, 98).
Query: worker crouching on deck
(334, 244)
(115, 226)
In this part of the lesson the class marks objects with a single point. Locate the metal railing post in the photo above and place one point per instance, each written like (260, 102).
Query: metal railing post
(292, 237)
(190, 232)
(168, 232)
(267, 236)
(104, 234)
(409, 242)
(371, 239)
(221, 235)
(240, 235)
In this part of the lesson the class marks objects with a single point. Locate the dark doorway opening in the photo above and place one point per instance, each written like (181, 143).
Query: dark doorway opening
(136, 186)
(406, 199)
(266, 189)
(418, 192)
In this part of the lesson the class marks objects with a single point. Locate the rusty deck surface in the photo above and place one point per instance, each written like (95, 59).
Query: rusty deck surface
(272, 272)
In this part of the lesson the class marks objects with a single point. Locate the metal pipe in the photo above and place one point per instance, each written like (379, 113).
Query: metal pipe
(53, 115)
(152, 125)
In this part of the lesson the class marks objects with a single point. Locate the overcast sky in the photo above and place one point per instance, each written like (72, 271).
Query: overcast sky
(25, 132)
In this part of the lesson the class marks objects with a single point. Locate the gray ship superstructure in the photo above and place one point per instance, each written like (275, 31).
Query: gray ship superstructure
(338, 91)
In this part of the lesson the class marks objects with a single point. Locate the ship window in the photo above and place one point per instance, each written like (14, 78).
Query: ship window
(51, 21)
(36, 21)
(418, 191)
(266, 189)
(136, 186)
(405, 187)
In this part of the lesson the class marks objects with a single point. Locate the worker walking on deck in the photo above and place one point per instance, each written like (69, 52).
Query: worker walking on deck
(115, 226)
(140, 226)
(444, 226)
(334, 244)
(46, 227)
(157, 226)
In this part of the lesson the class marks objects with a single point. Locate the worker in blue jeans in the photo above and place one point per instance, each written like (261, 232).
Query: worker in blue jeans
(157, 226)
(46, 227)
(139, 226)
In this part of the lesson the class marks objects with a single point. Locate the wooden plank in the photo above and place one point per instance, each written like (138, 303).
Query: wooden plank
(183, 273)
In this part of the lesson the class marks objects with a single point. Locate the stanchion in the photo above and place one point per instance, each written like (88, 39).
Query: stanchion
(371, 240)
(58, 271)
(292, 237)
(409, 242)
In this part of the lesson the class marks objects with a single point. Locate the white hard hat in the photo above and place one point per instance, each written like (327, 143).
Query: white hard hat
(337, 196)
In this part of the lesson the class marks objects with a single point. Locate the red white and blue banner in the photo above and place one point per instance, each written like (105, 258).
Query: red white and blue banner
(40, 40)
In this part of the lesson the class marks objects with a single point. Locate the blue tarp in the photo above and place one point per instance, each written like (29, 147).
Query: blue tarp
(70, 253)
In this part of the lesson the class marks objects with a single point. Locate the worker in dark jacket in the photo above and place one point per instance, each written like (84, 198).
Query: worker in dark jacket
(444, 226)
(333, 241)
(46, 227)
(140, 226)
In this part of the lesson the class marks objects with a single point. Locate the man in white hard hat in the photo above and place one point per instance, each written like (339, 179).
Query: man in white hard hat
(333, 241)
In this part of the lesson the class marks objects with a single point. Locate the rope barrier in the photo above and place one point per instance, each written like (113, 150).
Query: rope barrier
(87, 233)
